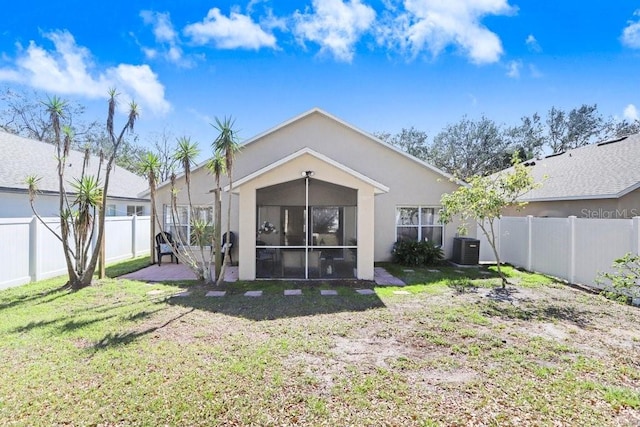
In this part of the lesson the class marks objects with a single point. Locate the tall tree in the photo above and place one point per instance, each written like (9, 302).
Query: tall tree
(23, 114)
(149, 167)
(216, 166)
(624, 127)
(412, 141)
(576, 128)
(484, 199)
(78, 217)
(164, 149)
(227, 144)
(527, 138)
(470, 147)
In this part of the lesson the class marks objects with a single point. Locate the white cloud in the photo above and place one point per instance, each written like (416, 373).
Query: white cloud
(334, 25)
(513, 69)
(69, 70)
(533, 44)
(631, 33)
(434, 25)
(166, 36)
(631, 112)
(141, 82)
(162, 26)
(235, 31)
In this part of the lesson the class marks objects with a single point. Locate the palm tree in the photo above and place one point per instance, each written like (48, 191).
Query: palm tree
(150, 166)
(216, 166)
(227, 145)
(185, 154)
(77, 219)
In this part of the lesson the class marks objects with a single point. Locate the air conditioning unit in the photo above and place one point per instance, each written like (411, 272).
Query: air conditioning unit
(466, 251)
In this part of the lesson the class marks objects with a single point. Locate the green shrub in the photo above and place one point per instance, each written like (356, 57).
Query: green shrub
(623, 283)
(416, 254)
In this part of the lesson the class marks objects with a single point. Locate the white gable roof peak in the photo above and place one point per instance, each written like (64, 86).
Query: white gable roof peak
(379, 188)
(355, 129)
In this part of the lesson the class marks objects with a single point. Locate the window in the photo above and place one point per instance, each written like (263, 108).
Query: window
(196, 223)
(419, 223)
(111, 210)
(135, 210)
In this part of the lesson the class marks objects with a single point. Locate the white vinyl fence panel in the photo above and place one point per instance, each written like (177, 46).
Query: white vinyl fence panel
(14, 261)
(513, 232)
(598, 242)
(573, 249)
(31, 252)
(550, 246)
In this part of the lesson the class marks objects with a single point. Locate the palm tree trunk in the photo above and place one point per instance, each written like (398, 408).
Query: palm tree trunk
(227, 252)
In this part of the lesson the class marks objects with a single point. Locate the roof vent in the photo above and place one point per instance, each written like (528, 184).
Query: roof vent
(611, 141)
(554, 155)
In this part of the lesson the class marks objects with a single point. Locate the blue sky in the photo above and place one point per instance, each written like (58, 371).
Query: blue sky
(379, 65)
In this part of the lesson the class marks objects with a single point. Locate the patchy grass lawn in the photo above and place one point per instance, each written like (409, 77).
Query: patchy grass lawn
(450, 352)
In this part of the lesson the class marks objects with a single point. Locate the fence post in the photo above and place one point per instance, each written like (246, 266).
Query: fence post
(529, 242)
(635, 237)
(498, 238)
(134, 224)
(572, 249)
(33, 248)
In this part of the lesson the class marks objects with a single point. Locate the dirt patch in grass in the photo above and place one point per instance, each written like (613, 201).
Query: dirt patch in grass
(540, 354)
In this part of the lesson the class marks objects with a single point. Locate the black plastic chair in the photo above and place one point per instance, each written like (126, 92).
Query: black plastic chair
(225, 245)
(163, 247)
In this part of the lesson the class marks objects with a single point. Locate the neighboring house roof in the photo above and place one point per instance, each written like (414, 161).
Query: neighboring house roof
(606, 170)
(316, 110)
(21, 157)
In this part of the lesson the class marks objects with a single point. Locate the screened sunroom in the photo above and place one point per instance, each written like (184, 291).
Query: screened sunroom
(306, 217)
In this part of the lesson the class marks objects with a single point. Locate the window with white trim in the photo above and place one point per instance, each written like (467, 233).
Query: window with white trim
(135, 210)
(181, 222)
(111, 210)
(419, 223)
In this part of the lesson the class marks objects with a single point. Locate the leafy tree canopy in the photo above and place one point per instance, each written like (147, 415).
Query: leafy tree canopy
(481, 146)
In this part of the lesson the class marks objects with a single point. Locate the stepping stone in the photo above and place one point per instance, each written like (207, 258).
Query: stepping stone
(409, 271)
(486, 273)
(365, 291)
(293, 291)
(183, 294)
(328, 292)
(433, 271)
(155, 292)
(459, 271)
(253, 294)
(215, 294)
(402, 292)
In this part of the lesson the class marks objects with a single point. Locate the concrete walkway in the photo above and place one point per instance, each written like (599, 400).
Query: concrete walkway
(169, 272)
(383, 277)
(172, 272)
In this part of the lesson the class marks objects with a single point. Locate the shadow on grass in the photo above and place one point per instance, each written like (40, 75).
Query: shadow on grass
(123, 338)
(38, 298)
(548, 313)
(273, 304)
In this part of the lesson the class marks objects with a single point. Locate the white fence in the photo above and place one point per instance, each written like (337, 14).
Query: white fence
(573, 249)
(30, 252)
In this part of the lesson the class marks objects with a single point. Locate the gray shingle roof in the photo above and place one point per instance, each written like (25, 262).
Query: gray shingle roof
(20, 157)
(598, 171)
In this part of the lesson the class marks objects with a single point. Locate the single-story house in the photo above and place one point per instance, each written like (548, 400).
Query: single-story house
(315, 197)
(21, 157)
(595, 181)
